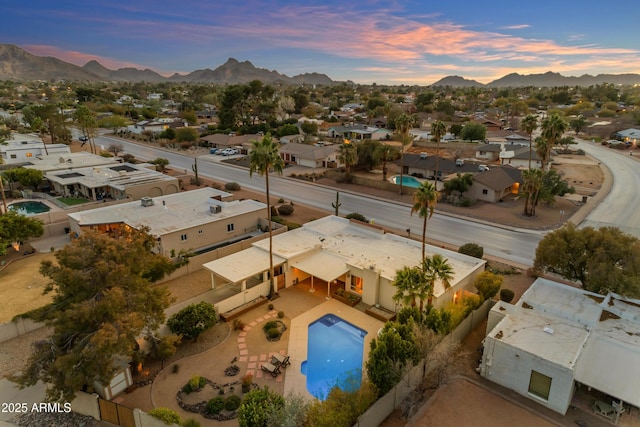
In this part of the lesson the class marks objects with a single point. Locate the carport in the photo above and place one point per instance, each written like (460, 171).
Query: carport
(323, 265)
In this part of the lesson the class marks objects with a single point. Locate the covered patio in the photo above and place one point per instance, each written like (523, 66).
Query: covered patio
(329, 268)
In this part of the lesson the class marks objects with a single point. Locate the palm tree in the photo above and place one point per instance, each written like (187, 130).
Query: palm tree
(543, 150)
(438, 130)
(424, 201)
(532, 184)
(553, 127)
(403, 123)
(264, 156)
(347, 154)
(385, 153)
(529, 125)
(436, 268)
(409, 284)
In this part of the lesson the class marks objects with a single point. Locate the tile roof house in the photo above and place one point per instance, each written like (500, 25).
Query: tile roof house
(559, 337)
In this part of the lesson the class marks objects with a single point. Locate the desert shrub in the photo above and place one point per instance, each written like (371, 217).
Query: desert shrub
(190, 422)
(270, 324)
(285, 210)
(270, 306)
(280, 314)
(166, 415)
(215, 405)
(193, 320)
(580, 152)
(232, 403)
(232, 186)
(465, 202)
(507, 295)
(238, 324)
(356, 216)
(280, 200)
(273, 333)
(289, 224)
(488, 284)
(195, 383)
(257, 405)
(471, 249)
(175, 368)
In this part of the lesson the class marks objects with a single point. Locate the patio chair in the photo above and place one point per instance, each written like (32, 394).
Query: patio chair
(274, 370)
(280, 360)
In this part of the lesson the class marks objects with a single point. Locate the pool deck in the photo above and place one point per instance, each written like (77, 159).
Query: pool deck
(295, 381)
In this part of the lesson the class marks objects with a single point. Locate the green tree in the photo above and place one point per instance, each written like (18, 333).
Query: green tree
(488, 284)
(342, 406)
(190, 322)
(190, 116)
(163, 348)
(385, 153)
(293, 413)
(115, 148)
(409, 284)
(347, 155)
(26, 177)
(602, 260)
(473, 132)
(88, 124)
(455, 129)
(424, 202)
(578, 124)
(403, 124)
(187, 135)
(257, 406)
(16, 228)
(436, 268)
(103, 300)
(472, 249)
(553, 127)
(161, 163)
(264, 156)
(459, 184)
(531, 186)
(529, 124)
(438, 130)
(114, 122)
(367, 154)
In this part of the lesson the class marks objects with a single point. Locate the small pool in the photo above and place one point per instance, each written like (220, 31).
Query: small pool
(407, 180)
(334, 356)
(29, 207)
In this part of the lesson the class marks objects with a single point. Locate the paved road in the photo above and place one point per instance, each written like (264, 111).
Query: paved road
(620, 207)
(514, 245)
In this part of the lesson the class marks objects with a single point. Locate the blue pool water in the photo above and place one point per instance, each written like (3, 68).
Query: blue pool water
(334, 356)
(29, 207)
(407, 180)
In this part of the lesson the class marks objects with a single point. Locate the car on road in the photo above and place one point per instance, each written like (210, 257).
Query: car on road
(84, 138)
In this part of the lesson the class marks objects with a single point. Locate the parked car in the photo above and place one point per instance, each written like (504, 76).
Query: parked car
(229, 152)
(84, 138)
(215, 151)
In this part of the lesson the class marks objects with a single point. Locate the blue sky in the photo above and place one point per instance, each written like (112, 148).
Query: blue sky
(386, 42)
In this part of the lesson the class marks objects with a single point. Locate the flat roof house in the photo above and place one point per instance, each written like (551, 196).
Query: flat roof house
(557, 338)
(193, 221)
(334, 252)
(22, 149)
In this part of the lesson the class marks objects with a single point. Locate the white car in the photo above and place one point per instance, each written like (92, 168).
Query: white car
(229, 152)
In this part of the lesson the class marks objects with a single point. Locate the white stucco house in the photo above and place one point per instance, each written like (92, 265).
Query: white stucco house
(21, 149)
(557, 338)
(333, 253)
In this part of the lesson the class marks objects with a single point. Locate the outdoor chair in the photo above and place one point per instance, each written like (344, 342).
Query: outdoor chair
(280, 360)
(274, 370)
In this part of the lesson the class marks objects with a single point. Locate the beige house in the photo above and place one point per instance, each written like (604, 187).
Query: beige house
(334, 253)
(115, 181)
(194, 221)
(495, 184)
(312, 156)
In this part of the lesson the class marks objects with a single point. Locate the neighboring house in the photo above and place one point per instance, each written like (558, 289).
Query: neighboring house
(312, 156)
(489, 152)
(517, 139)
(241, 142)
(120, 181)
(21, 149)
(65, 161)
(197, 220)
(424, 166)
(359, 132)
(557, 338)
(490, 124)
(156, 125)
(154, 97)
(334, 253)
(631, 136)
(518, 157)
(288, 139)
(495, 184)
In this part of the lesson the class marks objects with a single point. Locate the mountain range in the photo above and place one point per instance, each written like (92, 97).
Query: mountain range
(18, 64)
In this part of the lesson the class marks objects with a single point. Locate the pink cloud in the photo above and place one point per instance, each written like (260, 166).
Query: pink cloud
(78, 58)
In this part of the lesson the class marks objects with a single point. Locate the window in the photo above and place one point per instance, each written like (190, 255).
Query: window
(539, 385)
(356, 284)
(13, 156)
(183, 237)
(200, 232)
(485, 191)
(29, 155)
(230, 228)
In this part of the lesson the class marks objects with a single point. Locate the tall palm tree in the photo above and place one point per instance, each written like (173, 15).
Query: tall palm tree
(424, 201)
(409, 284)
(438, 130)
(436, 268)
(348, 155)
(531, 186)
(553, 127)
(264, 156)
(403, 124)
(384, 153)
(529, 124)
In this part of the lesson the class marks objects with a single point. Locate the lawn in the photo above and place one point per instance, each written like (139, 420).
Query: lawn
(72, 201)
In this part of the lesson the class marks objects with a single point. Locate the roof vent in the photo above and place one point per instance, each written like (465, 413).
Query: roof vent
(146, 201)
(215, 209)
(423, 156)
(548, 329)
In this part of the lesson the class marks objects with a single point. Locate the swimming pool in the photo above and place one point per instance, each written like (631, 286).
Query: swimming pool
(334, 356)
(407, 180)
(29, 207)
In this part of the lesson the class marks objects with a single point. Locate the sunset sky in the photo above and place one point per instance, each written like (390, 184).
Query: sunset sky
(387, 42)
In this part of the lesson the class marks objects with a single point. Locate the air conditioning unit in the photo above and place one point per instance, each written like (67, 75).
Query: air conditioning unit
(215, 209)
(146, 201)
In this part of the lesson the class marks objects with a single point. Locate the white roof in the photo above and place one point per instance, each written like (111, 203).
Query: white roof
(118, 176)
(322, 265)
(242, 265)
(65, 161)
(179, 211)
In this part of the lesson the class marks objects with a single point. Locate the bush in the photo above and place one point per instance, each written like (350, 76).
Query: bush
(256, 406)
(232, 186)
(280, 200)
(273, 333)
(166, 415)
(488, 284)
(193, 320)
(238, 324)
(191, 422)
(280, 314)
(175, 368)
(269, 325)
(270, 306)
(285, 210)
(507, 295)
(472, 249)
(232, 403)
(215, 405)
(357, 217)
